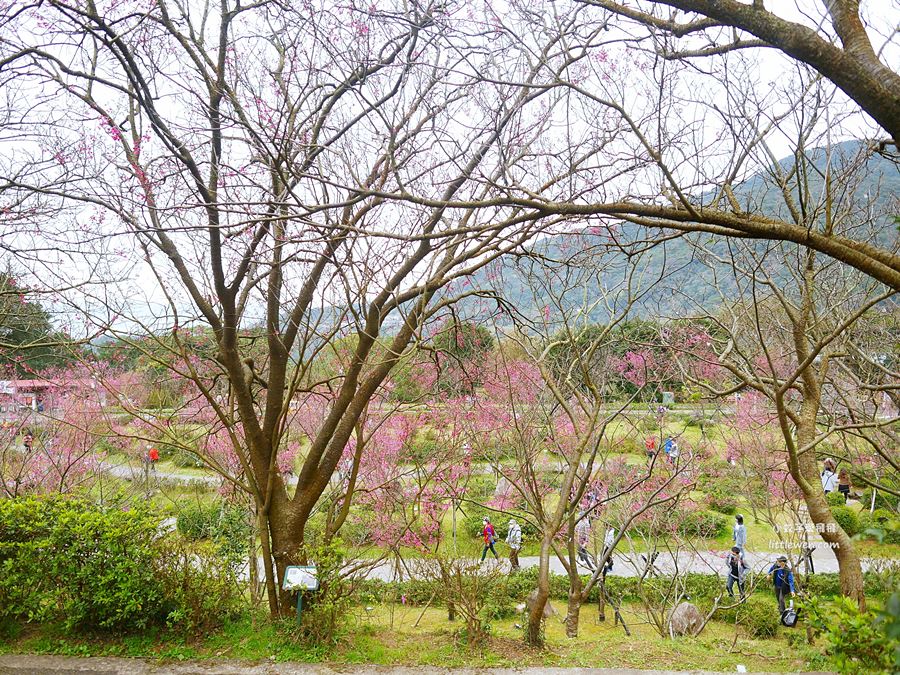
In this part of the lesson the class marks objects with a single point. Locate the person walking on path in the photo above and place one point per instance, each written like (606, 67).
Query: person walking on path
(829, 478)
(650, 445)
(739, 533)
(514, 540)
(489, 536)
(673, 453)
(583, 536)
(844, 484)
(783, 580)
(737, 569)
(667, 446)
(608, 540)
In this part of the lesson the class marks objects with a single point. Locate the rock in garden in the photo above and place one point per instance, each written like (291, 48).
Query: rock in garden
(685, 620)
(548, 608)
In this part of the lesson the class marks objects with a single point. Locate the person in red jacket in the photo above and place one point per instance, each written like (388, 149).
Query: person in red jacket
(153, 455)
(650, 444)
(489, 536)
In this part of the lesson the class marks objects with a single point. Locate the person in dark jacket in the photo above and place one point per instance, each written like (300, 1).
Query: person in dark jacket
(783, 579)
(737, 569)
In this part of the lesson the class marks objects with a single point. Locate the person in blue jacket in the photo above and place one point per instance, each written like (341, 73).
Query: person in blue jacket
(783, 579)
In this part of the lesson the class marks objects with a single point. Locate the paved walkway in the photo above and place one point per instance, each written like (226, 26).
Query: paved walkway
(26, 664)
(632, 565)
(625, 565)
(136, 474)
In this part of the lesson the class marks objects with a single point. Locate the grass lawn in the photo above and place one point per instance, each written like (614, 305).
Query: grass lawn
(397, 634)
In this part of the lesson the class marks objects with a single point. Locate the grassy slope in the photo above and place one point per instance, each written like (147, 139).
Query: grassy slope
(388, 635)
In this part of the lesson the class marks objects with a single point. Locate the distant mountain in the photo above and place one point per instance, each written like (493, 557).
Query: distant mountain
(687, 280)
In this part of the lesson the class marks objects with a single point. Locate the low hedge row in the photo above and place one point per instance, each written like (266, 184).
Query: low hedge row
(701, 588)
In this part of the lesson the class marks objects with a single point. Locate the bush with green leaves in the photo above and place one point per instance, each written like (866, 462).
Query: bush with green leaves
(857, 642)
(187, 459)
(835, 499)
(722, 501)
(87, 566)
(846, 518)
(883, 500)
(758, 616)
(884, 525)
(70, 561)
(326, 609)
(226, 525)
(704, 524)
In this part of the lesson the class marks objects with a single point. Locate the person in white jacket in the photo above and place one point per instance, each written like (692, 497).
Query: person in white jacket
(514, 540)
(829, 477)
(739, 532)
(608, 540)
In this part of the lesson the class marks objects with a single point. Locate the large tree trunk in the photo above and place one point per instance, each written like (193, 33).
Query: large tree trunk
(533, 633)
(575, 590)
(849, 565)
(601, 601)
(573, 610)
(287, 533)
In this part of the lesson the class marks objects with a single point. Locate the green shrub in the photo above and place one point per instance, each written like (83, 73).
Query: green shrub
(846, 518)
(326, 609)
(884, 520)
(70, 561)
(163, 398)
(876, 582)
(199, 591)
(186, 459)
(224, 524)
(758, 616)
(704, 524)
(856, 641)
(821, 585)
(498, 606)
(421, 446)
(835, 499)
(622, 588)
(722, 502)
(883, 500)
(882, 580)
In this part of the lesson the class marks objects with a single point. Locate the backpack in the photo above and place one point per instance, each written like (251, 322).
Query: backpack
(790, 616)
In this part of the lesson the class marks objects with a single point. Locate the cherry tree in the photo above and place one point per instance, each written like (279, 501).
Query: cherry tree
(787, 327)
(285, 179)
(59, 448)
(546, 408)
(244, 153)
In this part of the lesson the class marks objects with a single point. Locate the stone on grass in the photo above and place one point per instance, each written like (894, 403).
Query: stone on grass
(548, 608)
(685, 620)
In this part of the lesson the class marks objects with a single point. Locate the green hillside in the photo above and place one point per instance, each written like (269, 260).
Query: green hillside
(565, 266)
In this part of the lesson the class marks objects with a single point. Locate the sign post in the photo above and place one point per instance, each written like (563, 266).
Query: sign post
(300, 578)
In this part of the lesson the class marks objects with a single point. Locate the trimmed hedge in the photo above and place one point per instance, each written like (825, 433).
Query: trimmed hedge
(700, 588)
